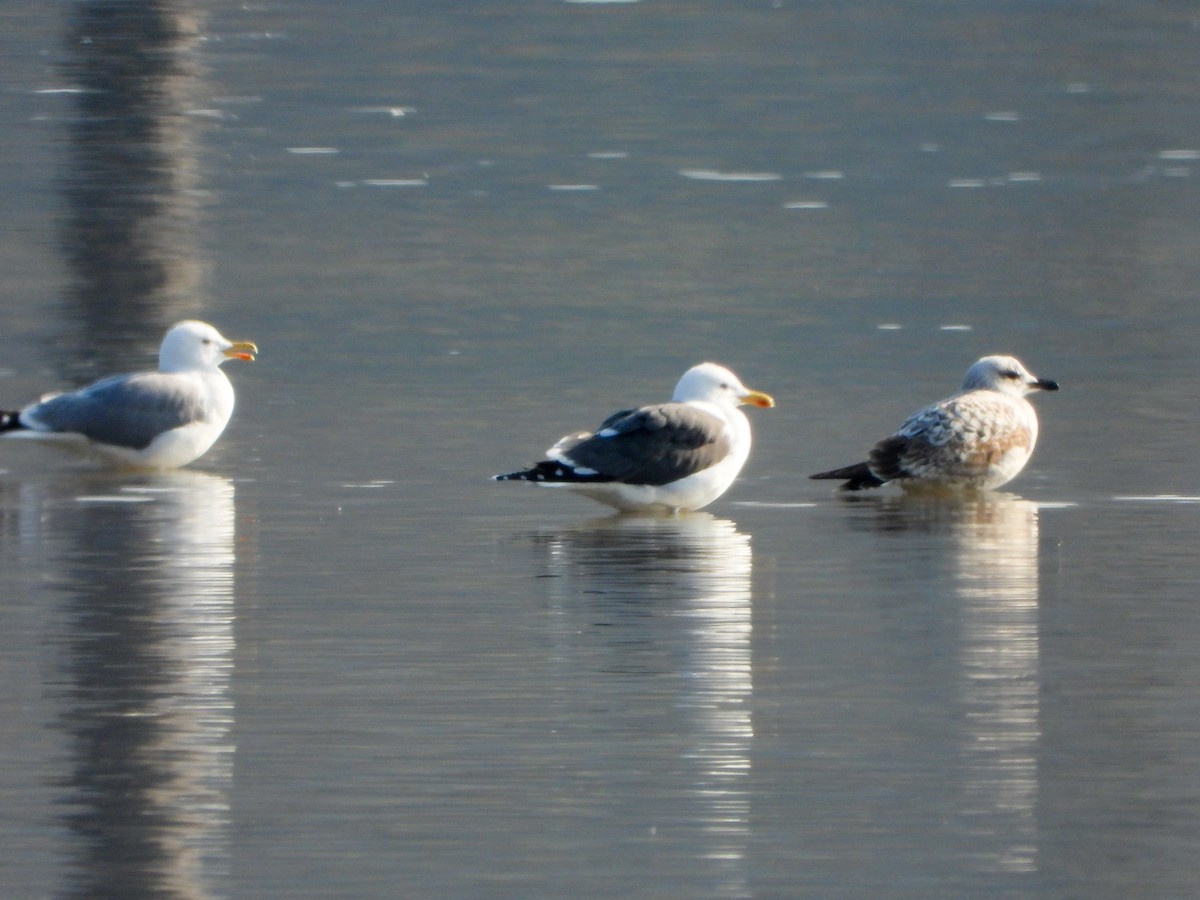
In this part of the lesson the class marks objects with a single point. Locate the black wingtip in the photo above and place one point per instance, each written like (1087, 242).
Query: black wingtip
(857, 477)
(10, 421)
(550, 472)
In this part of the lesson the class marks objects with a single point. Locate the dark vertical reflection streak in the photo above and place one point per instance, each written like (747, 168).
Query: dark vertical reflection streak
(148, 570)
(132, 180)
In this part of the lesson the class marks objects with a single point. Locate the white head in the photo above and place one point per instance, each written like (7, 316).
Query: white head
(1005, 374)
(192, 345)
(716, 384)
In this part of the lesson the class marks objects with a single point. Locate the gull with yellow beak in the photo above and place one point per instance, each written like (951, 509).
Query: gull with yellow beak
(147, 420)
(673, 456)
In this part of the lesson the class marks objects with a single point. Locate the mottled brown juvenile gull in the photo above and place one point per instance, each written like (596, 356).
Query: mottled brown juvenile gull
(671, 456)
(147, 420)
(978, 438)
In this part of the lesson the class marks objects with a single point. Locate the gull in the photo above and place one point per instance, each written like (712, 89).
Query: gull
(673, 456)
(147, 420)
(979, 438)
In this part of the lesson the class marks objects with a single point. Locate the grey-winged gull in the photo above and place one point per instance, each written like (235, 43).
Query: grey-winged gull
(149, 420)
(980, 437)
(672, 456)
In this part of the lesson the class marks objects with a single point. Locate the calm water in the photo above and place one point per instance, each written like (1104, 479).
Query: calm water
(333, 660)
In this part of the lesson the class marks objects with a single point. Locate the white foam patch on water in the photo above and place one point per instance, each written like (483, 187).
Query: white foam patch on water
(396, 112)
(395, 182)
(112, 498)
(715, 175)
(763, 504)
(1159, 498)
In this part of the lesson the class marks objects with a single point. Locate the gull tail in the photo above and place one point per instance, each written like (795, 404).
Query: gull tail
(10, 421)
(550, 472)
(857, 476)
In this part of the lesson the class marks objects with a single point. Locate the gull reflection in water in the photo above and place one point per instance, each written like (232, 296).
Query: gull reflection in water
(145, 565)
(670, 597)
(994, 573)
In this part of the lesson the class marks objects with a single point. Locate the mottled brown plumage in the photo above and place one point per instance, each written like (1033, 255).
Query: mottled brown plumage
(981, 437)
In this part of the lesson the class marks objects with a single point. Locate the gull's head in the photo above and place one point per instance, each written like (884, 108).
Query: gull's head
(1005, 374)
(716, 384)
(197, 345)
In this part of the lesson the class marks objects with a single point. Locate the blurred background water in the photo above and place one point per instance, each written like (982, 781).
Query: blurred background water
(332, 659)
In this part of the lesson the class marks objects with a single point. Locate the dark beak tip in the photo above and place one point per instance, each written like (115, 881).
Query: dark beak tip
(1047, 385)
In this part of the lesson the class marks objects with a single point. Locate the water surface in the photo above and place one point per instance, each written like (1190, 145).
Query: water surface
(333, 659)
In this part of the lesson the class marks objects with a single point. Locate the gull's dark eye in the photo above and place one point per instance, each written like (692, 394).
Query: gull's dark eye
(1009, 373)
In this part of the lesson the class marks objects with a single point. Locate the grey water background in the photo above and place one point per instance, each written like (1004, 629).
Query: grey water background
(332, 660)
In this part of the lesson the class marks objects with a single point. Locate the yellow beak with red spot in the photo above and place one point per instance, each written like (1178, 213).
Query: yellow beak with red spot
(758, 398)
(243, 350)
